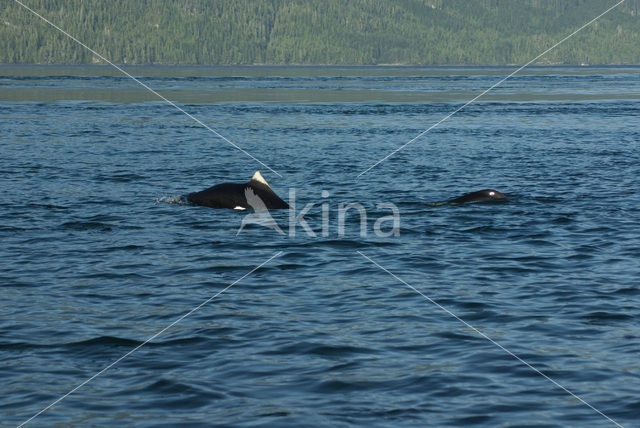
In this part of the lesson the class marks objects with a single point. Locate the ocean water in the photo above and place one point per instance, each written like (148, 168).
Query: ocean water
(345, 325)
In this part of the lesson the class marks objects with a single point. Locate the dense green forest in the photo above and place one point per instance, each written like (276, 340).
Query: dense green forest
(427, 32)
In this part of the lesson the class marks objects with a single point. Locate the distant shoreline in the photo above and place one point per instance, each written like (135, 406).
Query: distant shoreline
(358, 33)
(302, 66)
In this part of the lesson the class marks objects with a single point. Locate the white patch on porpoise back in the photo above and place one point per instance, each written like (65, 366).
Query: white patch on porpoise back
(239, 208)
(259, 178)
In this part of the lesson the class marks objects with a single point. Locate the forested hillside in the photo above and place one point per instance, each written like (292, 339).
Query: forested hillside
(427, 32)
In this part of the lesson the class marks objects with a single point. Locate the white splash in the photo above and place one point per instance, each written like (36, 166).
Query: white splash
(176, 199)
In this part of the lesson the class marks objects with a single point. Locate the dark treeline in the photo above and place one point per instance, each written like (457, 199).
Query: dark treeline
(427, 32)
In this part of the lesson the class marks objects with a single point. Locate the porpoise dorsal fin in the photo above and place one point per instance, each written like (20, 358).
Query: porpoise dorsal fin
(260, 179)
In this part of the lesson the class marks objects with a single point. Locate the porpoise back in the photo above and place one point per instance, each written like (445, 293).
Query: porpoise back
(234, 195)
(485, 195)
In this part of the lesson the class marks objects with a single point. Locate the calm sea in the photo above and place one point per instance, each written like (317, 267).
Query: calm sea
(345, 326)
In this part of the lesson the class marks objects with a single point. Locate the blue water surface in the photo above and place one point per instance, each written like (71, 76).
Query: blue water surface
(341, 327)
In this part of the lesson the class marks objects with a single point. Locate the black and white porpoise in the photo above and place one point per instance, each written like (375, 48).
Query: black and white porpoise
(256, 195)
